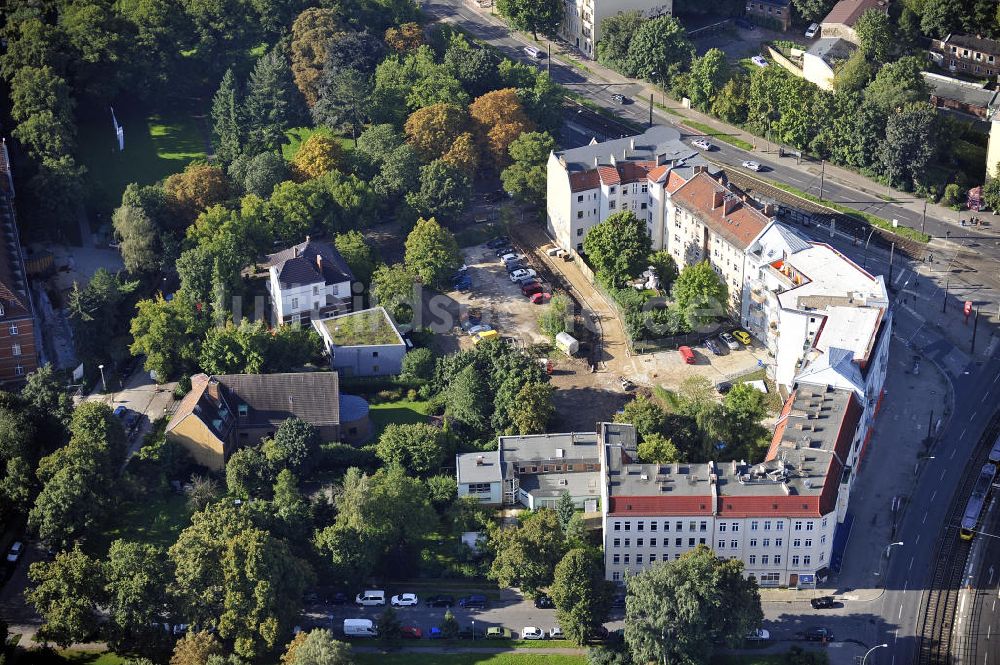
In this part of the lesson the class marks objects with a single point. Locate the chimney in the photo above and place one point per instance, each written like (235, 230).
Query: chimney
(700, 169)
(597, 161)
(295, 250)
(730, 202)
(319, 262)
(307, 239)
(480, 460)
(631, 143)
(769, 209)
(722, 181)
(213, 388)
(717, 198)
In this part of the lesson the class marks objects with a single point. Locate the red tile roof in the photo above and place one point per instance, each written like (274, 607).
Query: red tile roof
(609, 175)
(581, 182)
(847, 12)
(660, 505)
(739, 227)
(675, 182)
(770, 506)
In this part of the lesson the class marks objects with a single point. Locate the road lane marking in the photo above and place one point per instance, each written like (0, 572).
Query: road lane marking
(985, 397)
(924, 521)
(906, 583)
(911, 563)
(943, 474)
(895, 635)
(962, 435)
(918, 540)
(974, 414)
(934, 494)
(995, 378)
(900, 615)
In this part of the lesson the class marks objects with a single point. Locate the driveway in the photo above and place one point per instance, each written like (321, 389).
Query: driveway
(142, 395)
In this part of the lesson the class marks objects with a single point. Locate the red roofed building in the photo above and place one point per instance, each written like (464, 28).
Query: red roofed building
(19, 343)
(778, 516)
(839, 23)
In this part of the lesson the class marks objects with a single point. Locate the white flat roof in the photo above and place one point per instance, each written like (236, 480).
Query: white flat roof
(830, 273)
(851, 328)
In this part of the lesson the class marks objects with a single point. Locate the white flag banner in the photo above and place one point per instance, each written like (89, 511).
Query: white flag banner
(119, 131)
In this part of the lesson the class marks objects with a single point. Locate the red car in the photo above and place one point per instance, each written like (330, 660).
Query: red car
(410, 633)
(531, 289)
(540, 298)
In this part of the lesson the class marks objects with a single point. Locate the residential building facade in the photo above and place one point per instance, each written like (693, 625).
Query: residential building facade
(775, 14)
(20, 343)
(823, 59)
(958, 96)
(839, 23)
(308, 281)
(582, 20)
(973, 55)
(363, 343)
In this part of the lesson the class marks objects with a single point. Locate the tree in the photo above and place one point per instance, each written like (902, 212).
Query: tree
(534, 409)
(580, 593)
(195, 189)
(533, 16)
(56, 189)
(730, 103)
(565, 509)
(557, 317)
(433, 130)
(498, 118)
(195, 648)
(344, 100)
(356, 252)
(526, 556)
(168, 333)
(406, 38)
(139, 240)
(444, 191)
(312, 30)
(875, 35)
(67, 592)
(940, 17)
(645, 414)
(35, 90)
(393, 287)
(475, 68)
(617, 32)
(269, 107)
(449, 626)
(708, 74)
(418, 447)
(991, 193)
(418, 364)
(227, 119)
(317, 155)
(319, 647)
(204, 490)
(909, 143)
(525, 178)
(700, 293)
(896, 84)
(431, 252)
(658, 449)
(258, 174)
(468, 403)
(443, 490)
(390, 628)
(617, 248)
(659, 50)
(46, 394)
(135, 577)
(294, 446)
(666, 268)
(362, 51)
(248, 474)
(812, 10)
(680, 610)
(855, 74)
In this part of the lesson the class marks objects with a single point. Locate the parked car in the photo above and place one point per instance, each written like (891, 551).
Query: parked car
(544, 602)
(434, 633)
(474, 600)
(497, 243)
(440, 601)
(687, 355)
(812, 30)
(759, 635)
(600, 633)
(540, 298)
(514, 266)
(467, 633)
(752, 165)
(556, 633)
(619, 98)
(743, 336)
(759, 60)
(723, 387)
(15, 552)
(817, 634)
(405, 600)
(523, 273)
(370, 598)
(822, 602)
(532, 633)
(713, 346)
(499, 633)
(532, 52)
(531, 289)
(701, 144)
(482, 327)
(339, 598)
(508, 257)
(626, 384)
(730, 341)
(410, 633)
(743, 23)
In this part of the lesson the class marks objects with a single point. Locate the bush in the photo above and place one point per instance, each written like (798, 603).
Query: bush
(418, 364)
(954, 196)
(343, 456)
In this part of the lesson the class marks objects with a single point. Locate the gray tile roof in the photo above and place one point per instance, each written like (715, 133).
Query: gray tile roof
(657, 141)
(960, 91)
(272, 398)
(299, 265)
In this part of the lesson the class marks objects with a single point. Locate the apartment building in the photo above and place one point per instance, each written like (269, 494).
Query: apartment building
(823, 318)
(20, 342)
(974, 55)
(779, 516)
(582, 20)
(639, 173)
(308, 281)
(533, 471)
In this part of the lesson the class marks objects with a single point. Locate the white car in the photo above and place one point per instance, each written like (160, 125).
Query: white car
(556, 633)
(475, 330)
(759, 61)
(532, 633)
(532, 52)
(15, 552)
(812, 30)
(507, 258)
(405, 600)
(759, 635)
(752, 165)
(524, 273)
(702, 144)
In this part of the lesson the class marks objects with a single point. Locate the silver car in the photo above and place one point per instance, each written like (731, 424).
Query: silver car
(729, 341)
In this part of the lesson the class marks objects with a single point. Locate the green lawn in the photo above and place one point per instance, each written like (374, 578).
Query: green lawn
(402, 412)
(412, 658)
(715, 134)
(766, 659)
(78, 658)
(298, 135)
(157, 519)
(156, 145)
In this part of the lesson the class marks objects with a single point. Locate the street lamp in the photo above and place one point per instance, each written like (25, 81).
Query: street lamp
(877, 646)
(889, 547)
(473, 630)
(104, 384)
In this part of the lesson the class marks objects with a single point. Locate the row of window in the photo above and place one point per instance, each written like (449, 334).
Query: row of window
(545, 468)
(702, 525)
(693, 525)
(479, 488)
(618, 543)
(765, 559)
(965, 54)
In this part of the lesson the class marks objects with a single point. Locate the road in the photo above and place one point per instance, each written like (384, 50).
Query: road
(807, 176)
(984, 608)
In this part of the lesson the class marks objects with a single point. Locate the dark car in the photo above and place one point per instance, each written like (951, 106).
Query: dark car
(619, 98)
(544, 602)
(600, 633)
(714, 347)
(516, 265)
(467, 633)
(440, 601)
(618, 600)
(723, 387)
(497, 243)
(817, 634)
(822, 603)
(531, 288)
(339, 598)
(474, 600)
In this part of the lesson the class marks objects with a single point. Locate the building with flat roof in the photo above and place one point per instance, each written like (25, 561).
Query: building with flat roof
(778, 516)
(822, 61)
(581, 26)
(363, 343)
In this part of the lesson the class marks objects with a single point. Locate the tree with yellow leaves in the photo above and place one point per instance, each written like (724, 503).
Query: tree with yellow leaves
(317, 155)
(311, 32)
(499, 118)
(407, 38)
(433, 130)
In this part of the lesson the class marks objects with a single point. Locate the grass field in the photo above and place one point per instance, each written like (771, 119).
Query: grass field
(156, 519)
(521, 658)
(715, 134)
(156, 145)
(402, 412)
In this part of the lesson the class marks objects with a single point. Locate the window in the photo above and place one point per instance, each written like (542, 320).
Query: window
(479, 488)
(809, 542)
(652, 526)
(18, 370)
(579, 215)
(579, 232)
(13, 329)
(627, 559)
(797, 542)
(722, 527)
(767, 525)
(677, 542)
(822, 540)
(690, 542)
(752, 559)
(806, 560)
(795, 560)
(734, 543)
(798, 525)
(639, 542)
(701, 541)
(579, 198)
(778, 541)
(652, 542)
(645, 188)
(374, 354)
(824, 523)
(617, 542)
(753, 542)
(764, 559)
(618, 526)
(721, 544)
(703, 526)
(736, 526)
(652, 558)
(15, 350)
(628, 526)
(616, 559)
(616, 576)
(242, 409)
(777, 559)
(295, 303)
(767, 542)
(639, 526)
(809, 525)
(315, 290)
(679, 526)
(753, 525)
(642, 206)
(628, 542)
(780, 526)
(638, 559)
(611, 190)
(611, 204)
(691, 525)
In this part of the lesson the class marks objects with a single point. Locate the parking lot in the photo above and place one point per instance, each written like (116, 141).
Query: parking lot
(668, 369)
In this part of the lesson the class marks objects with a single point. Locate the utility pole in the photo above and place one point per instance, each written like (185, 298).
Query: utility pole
(650, 109)
(822, 178)
(944, 305)
(923, 219)
(892, 251)
(548, 58)
(975, 324)
(930, 422)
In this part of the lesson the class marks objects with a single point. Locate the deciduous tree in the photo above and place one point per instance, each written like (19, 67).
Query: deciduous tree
(67, 592)
(356, 251)
(499, 119)
(875, 35)
(526, 556)
(393, 288)
(138, 239)
(294, 446)
(406, 38)
(135, 576)
(581, 594)
(195, 648)
(168, 333)
(418, 364)
(535, 408)
(196, 188)
(431, 252)
(617, 248)
(432, 130)
(700, 293)
(896, 84)
(317, 155)
(708, 74)
(617, 32)
(319, 647)
(311, 32)
(533, 16)
(658, 449)
(909, 143)
(525, 178)
(444, 191)
(417, 447)
(659, 50)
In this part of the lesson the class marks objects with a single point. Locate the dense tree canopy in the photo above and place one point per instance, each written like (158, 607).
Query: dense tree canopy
(526, 556)
(618, 247)
(431, 252)
(533, 16)
(581, 594)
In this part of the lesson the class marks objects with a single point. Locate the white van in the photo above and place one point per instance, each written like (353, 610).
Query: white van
(532, 51)
(370, 598)
(360, 628)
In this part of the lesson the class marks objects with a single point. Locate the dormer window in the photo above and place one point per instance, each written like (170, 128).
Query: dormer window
(242, 409)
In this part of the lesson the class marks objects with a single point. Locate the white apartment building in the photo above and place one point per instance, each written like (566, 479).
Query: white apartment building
(779, 517)
(582, 23)
(639, 173)
(306, 282)
(823, 318)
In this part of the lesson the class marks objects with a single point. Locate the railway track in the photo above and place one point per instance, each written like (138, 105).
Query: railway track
(936, 644)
